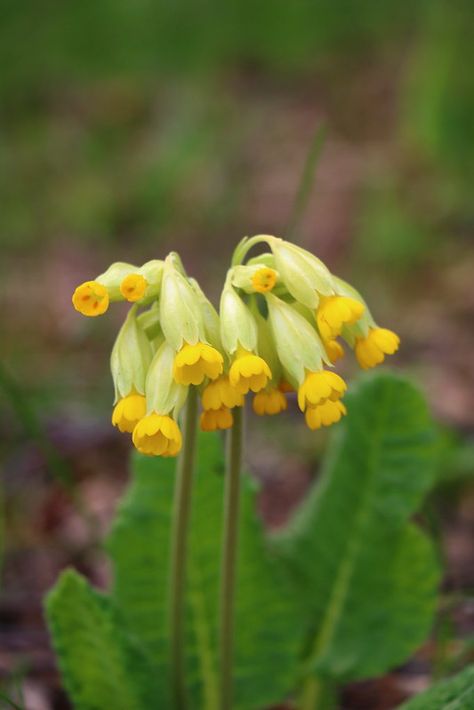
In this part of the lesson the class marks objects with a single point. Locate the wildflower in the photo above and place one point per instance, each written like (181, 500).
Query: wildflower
(334, 350)
(319, 387)
(128, 411)
(133, 287)
(248, 372)
(180, 313)
(129, 361)
(216, 419)
(269, 401)
(91, 299)
(264, 279)
(220, 393)
(254, 278)
(334, 312)
(194, 363)
(324, 414)
(157, 435)
(371, 350)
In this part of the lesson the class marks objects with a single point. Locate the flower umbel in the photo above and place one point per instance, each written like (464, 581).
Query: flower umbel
(157, 435)
(371, 351)
(91, 299)
(194, 363)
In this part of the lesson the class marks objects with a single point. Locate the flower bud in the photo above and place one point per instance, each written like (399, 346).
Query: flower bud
(304, 275)
(180, 314)
(298, 345)
(163, 393)
(254, 278)
(237, 322)
(130, 358)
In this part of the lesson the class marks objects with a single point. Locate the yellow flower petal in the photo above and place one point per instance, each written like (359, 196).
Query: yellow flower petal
(371, 351)
(91, 299)
(128, 411)
(133, 287)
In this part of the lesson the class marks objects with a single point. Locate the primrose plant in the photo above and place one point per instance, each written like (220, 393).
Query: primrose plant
(248, 622)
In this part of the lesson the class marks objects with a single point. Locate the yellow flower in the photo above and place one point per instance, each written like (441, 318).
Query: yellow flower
(214, 419)
(324, 414)
(319, 387)
(195, 362)
(91, 299)
(371, 351)
(336, 311)
(249, 372)
(334, 350)
(133, 287)
(128, 411)
(220, 393)
(264, 279)
(157, 435)
(269, 401)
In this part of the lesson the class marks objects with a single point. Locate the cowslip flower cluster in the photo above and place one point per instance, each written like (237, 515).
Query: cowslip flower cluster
(282, 315)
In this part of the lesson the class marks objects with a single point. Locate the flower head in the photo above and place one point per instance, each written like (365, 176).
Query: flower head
(324, 414)
(249, 372)
(194, 363)
(220, 393)
(269, 401)
(371, 350)
(128, 411)
(319, 387)
(91, 299)
(157, 435)
(216, 419)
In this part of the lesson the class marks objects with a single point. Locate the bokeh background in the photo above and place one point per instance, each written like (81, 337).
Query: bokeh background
(132, 127)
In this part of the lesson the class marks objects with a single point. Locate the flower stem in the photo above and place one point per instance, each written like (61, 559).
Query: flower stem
(179, 535)
(317, 694)
(229, 556)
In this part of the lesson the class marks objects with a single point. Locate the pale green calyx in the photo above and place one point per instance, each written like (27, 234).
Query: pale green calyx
(212, 325)
(297, 343)
(130, 358)
(163, 394)
(180, 313)
(304, 275)
(238, 326)
(267, 348)
(113, 277)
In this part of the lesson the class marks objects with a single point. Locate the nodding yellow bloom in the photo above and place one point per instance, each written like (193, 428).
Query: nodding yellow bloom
(324, 414)
(157, 435)
(334, 350)
(249, 372)
(264, 279)
(269, 401)
(193, 363)
(220, 393)
(215, 419)
(371, 351)
(128, 411)
(133, 287)
(91, 298)
(319, 387)
(336, 311)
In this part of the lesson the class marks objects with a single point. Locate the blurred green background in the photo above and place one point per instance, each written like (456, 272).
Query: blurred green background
(130, 128)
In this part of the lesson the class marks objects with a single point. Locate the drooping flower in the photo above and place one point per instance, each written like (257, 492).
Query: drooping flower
(194, 363)
(128, 411)
(325, 414)
(371, 350)
(216, 419)
(220, 393)
(319, 387)
(157, 435)
(269, 401)
(248, 372)
(336, 311)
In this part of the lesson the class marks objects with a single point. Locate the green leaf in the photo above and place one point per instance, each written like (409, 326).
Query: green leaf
(367, 578)
(454, 694)
(101, 668)
(268, 633)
